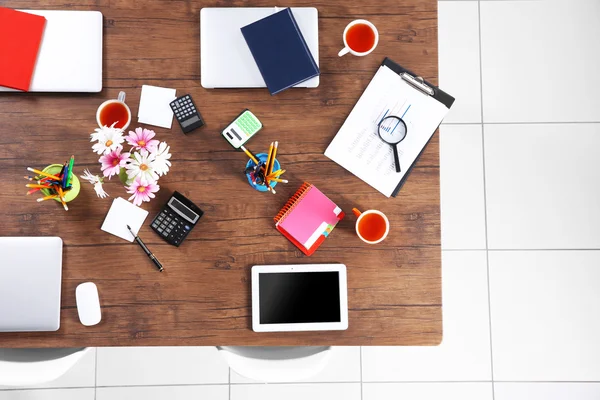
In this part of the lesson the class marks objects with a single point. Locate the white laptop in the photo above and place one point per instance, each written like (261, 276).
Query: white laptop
(226, 60)
(70, 56)
(30, 283)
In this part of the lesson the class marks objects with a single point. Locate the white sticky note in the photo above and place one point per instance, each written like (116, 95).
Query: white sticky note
(154, 106)
(121, 214)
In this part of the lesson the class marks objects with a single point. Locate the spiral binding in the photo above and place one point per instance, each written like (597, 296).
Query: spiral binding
(291, 203)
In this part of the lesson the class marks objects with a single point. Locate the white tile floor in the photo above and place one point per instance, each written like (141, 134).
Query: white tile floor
(520, 177)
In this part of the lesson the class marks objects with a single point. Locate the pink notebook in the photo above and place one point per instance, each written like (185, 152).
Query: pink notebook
(308, 218)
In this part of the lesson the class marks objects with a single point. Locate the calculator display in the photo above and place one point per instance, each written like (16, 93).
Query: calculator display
(183, 210)
(190, 121)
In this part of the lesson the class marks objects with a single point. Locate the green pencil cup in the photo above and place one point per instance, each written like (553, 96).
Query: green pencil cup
(71, 194)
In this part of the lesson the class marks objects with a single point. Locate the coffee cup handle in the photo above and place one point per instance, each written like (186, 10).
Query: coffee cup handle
(344, 51)
(121, 97)
(356, 212)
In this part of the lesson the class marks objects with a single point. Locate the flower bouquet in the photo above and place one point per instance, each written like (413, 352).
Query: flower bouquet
(140, 168)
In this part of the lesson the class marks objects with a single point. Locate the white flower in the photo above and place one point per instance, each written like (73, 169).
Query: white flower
(161, 162)
(96, 181)
(108, 139)
(140, 165)
(100, 190)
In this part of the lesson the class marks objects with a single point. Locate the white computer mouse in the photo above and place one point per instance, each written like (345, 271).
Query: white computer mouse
(88, 304)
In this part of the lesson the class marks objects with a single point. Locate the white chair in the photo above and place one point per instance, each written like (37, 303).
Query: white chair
(276, 364)
(24, 367)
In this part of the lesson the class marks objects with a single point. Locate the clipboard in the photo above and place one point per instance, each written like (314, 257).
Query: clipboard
(422, 85)
(391, 92)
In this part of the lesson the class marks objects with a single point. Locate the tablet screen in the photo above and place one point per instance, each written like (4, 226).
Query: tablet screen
(299, 297)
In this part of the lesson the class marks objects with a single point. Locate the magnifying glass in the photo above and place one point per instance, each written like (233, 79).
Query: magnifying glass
(392, 130)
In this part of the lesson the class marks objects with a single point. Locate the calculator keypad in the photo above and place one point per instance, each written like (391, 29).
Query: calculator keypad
(183, 107)
(184, 110)
(247, 124)
(171, 227)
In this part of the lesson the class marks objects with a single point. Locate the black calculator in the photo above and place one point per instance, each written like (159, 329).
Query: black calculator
(177, 218)
(186, 113)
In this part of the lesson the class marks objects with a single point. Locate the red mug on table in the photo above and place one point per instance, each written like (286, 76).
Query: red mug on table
(115, 112)
(372, 226)
(360, 38)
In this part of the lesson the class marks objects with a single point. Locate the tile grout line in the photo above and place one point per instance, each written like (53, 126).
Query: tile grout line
(524, 249)
(34, 389)
(522, 122)
(485, 212)
(361, 374)
(96, 374)
(175, 385)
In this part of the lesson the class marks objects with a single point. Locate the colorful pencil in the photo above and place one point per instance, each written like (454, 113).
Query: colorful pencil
(274, 176)
(269, 155)
(52, 196)
(37, 171)
(269, 161)
(61, 197)
(250, 155)
(63, 175)
(38, 179)
(278, 172)
(278, 180)
(33, 185)
(70, 174)
(270, 170)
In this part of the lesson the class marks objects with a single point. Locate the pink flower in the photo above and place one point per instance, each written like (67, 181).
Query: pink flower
(142, 139)
(113, 161)
(141, 190)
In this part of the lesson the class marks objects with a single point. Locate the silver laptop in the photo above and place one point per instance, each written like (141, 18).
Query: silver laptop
(30, 283)
(226, 60)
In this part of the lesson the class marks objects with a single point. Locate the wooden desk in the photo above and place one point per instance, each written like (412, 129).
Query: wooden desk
(203, 298)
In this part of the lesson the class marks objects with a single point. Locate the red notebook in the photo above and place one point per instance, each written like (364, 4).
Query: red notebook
(308, 218)
(20, 38)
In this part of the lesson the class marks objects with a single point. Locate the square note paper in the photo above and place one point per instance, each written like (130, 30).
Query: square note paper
(121, 214)
(154, 106)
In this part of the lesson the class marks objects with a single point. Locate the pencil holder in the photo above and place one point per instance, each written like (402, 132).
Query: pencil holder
(262, 157)
(69, 195)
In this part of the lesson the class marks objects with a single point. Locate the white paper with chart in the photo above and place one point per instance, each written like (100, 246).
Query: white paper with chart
(357, 146)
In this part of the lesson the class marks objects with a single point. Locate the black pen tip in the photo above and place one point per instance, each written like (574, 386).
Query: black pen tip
(128, 227)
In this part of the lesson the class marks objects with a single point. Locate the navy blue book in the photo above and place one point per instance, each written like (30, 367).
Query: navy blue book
(280, 51)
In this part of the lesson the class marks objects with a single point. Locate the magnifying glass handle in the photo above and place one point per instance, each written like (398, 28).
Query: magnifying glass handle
(396, 158)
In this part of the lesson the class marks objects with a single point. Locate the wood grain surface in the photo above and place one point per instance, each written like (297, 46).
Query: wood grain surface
(203, 297)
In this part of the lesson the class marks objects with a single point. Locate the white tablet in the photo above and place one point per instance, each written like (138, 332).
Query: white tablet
(308, 297)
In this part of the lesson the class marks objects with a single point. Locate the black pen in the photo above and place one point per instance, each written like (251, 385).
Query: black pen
(146, 250)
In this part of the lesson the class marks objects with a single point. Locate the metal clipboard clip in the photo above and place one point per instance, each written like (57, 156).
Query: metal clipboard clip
(418, 83)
